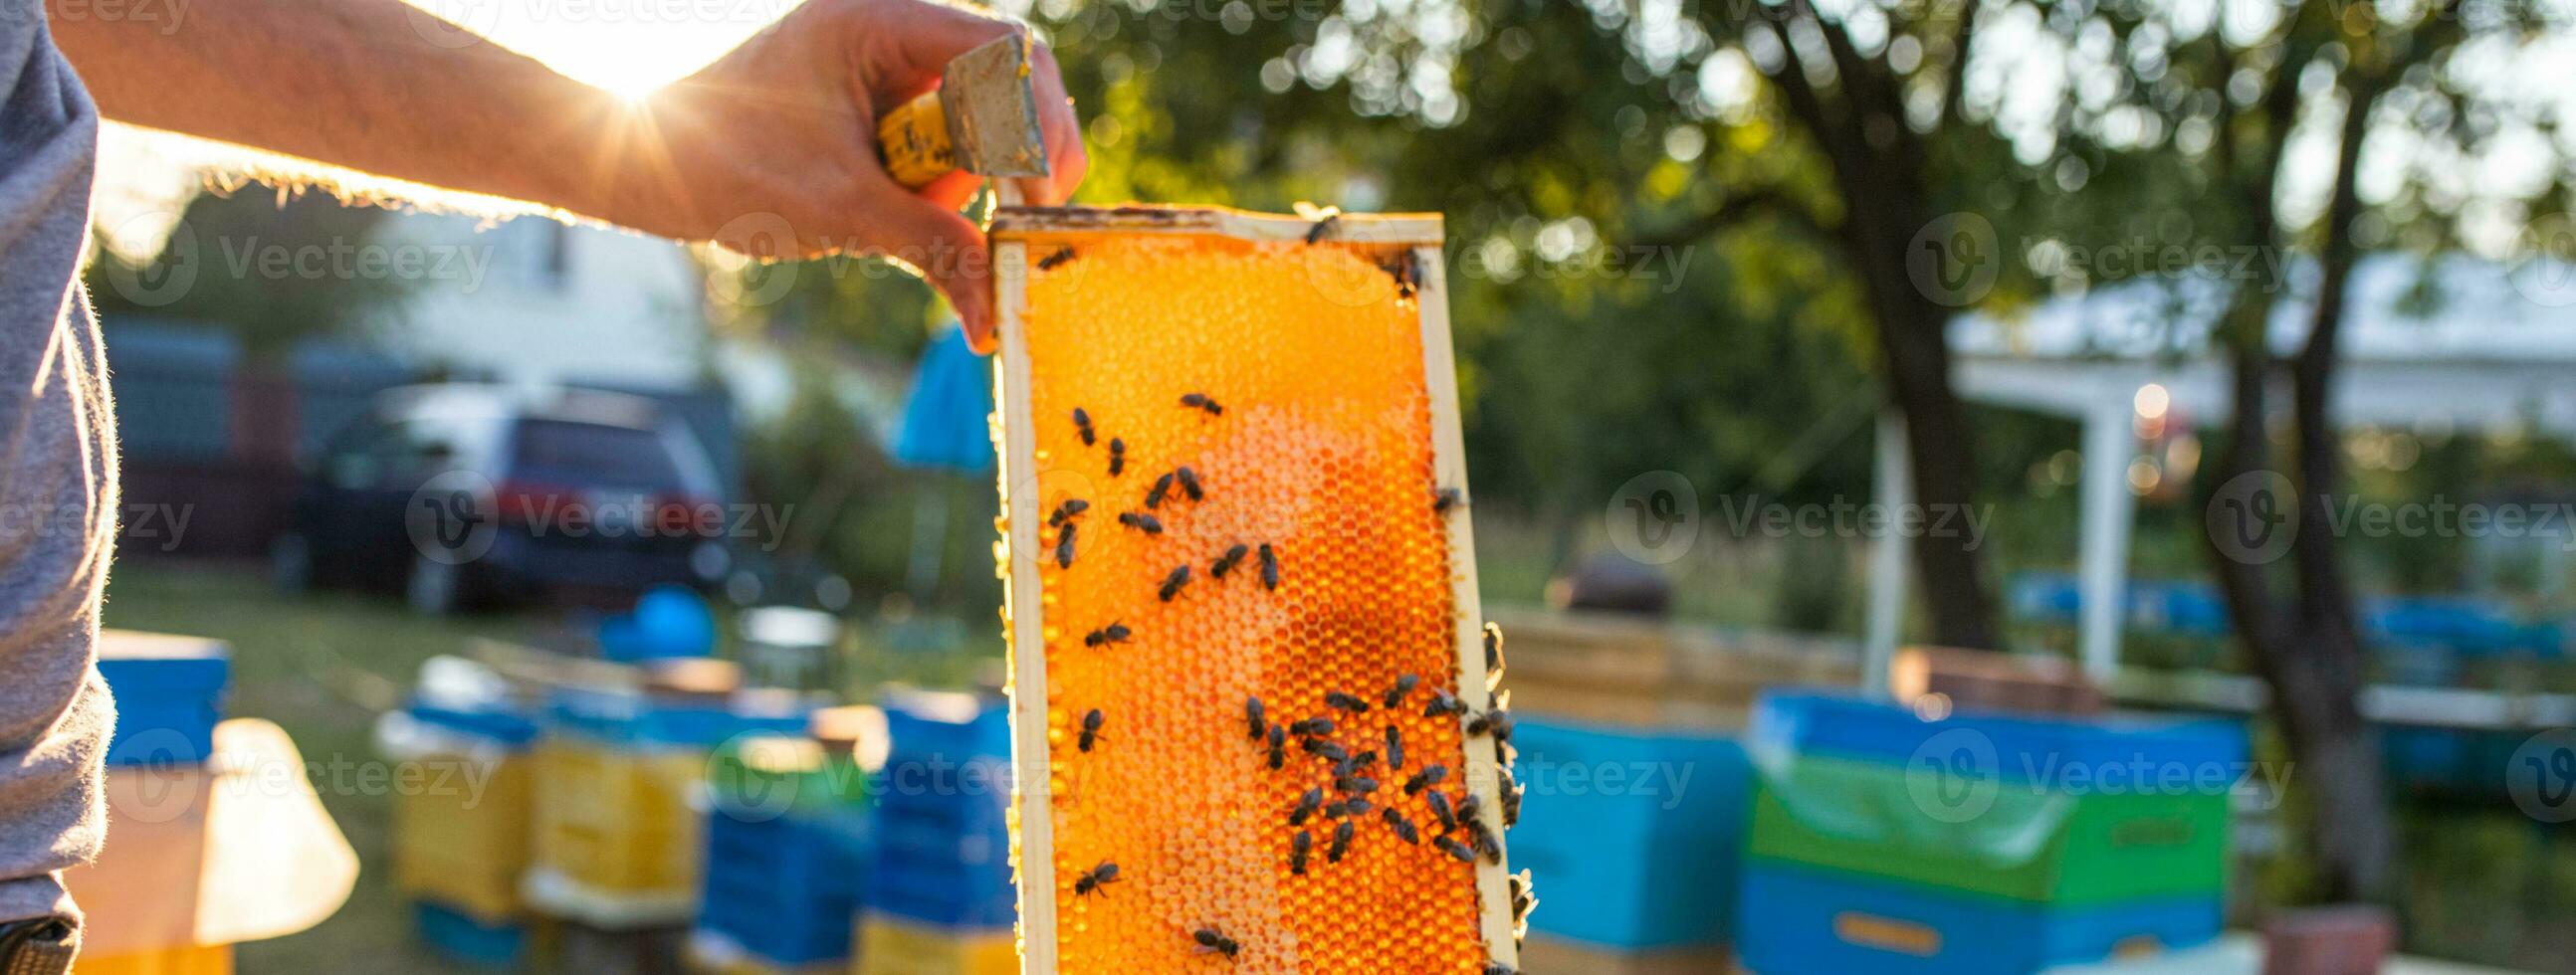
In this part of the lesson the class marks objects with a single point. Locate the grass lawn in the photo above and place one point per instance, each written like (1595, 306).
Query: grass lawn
(321, 667)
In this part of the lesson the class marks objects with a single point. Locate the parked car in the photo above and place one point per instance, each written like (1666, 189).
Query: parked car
(463, 496)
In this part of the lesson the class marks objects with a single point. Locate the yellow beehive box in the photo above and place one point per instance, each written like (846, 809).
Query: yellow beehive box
(463, 843)
(614, 831)
(205, 960)
(893, 946)
(1259, 416)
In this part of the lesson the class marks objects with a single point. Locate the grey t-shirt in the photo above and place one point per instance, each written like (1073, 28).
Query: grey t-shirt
(57, 476)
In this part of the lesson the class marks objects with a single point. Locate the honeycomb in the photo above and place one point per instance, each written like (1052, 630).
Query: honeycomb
(1269, 397)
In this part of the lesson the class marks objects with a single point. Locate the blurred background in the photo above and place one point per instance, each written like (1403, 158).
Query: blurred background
(2223, 350)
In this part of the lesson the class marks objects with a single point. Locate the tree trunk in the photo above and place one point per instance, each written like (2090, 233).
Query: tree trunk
(2309, 654)
(1940, 450)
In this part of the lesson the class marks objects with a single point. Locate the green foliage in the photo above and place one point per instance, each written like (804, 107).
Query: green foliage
(271, 268)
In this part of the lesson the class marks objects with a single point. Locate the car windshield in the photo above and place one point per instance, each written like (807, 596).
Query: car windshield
(593, 454)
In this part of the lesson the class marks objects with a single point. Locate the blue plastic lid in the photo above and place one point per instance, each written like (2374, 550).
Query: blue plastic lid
(150, 664)
(625, 718)
(2015, 747)
(504, 726)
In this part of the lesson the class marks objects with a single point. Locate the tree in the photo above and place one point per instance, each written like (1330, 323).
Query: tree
(2308, 648)
(271, 267)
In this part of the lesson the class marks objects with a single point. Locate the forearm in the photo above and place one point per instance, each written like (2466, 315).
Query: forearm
(371, 85)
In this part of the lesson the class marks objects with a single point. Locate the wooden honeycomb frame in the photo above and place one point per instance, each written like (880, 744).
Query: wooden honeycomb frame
(1019, 237)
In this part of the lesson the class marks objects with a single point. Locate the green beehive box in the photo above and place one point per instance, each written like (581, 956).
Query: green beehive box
(2000, 838)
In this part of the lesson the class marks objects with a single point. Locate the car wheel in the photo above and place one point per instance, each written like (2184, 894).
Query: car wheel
(290, 564)
(435, 588)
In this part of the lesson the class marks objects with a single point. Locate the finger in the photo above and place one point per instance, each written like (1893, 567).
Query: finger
(946, 249)
(1061, 127)
(926, 37)
(952, 190)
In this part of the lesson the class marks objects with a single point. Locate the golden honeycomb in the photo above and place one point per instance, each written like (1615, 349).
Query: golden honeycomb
(1289, 377)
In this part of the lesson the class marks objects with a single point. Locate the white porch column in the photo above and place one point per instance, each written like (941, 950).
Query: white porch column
(1894, 483)
(2109, 509)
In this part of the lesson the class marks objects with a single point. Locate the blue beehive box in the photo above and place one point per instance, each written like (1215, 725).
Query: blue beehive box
(169, 695)
(2046, 751)
(1643, 852)
(628, 720)
(462, 938)
(787, 888)
(1800, 920)
(943, 828)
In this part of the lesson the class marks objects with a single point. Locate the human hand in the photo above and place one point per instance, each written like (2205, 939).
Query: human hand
(772, 150)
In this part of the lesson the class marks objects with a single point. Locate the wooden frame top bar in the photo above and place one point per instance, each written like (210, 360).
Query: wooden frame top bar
(1023, 223)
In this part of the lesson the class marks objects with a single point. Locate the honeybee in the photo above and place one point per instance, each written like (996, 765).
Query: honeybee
(1210, 940)
(1337, 699)
(1269, 568)
(1091, 722)
(1341, 842)
(1225, 563)
(1065, 512)
(1064, 546)
(1055, 260)
(1443, 703)
(1189, 482)
(1357, 806)
(1306, 806)
(1117, 456)
(1322, 227)
(1278, 748)
(1394, 748)
(1454, 848)
(1404, 684)
(1311, 727)
(1297, 850)
(1493, 656)
(1254, 717)
(1428, 777)
(1154, 496)
(1113, 633)
(1203, 401)
(1172, 583)
(1095, 879)
(1439, 803)
(1403, 827)
(1498, 722)
(1082, 425)
(1443, 499)
(1141, 522)
(1356, 784)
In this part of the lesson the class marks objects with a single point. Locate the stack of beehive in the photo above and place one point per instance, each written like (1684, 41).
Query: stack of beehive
(460, 836)
(1913, 840)
(168, 698)
(1629, 733)
(939, 900)
(617, 840)
(788, 852)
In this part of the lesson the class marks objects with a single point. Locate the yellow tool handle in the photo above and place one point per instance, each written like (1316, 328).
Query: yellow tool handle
(914, 138)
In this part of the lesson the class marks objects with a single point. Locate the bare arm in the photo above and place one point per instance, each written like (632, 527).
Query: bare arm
(770, 150)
